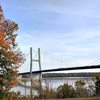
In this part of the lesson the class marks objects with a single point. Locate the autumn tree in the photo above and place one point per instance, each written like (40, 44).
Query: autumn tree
(10, 57)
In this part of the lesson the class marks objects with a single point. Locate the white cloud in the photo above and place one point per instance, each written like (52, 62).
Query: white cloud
(73, 47)
(61, 51)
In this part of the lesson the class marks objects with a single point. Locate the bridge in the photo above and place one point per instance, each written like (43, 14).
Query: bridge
(33, 79)
(63, 69)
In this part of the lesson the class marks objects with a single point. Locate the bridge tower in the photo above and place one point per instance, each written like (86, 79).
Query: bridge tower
(40, 74)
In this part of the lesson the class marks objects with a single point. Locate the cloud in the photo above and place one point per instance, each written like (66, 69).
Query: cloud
(83, 8)
(68, 30)
(86, 8)
(62, 50)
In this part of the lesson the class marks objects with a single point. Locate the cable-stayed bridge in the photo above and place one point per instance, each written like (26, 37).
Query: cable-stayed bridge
(64, 69)
(33, 78)
(39, 72)
(57, 62)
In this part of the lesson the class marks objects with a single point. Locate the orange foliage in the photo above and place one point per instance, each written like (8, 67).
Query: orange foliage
(10, 57)
(12, 83)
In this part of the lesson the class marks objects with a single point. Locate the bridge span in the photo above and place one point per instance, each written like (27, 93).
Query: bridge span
(63, 69)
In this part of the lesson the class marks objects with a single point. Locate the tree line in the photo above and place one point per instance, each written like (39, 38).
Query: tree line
(50, 75)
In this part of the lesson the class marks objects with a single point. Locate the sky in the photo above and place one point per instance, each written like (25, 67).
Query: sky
(67, 31)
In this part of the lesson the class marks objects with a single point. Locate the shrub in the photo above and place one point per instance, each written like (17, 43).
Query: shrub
(65, 91)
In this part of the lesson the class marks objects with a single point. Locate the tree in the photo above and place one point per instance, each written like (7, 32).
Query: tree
(65, 91)
(10, 57)
(81, 90)
(80, 83)
(97, 86)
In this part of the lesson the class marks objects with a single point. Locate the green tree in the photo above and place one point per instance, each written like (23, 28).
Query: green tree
(80, 83)
(10, 57)
(65, 91)
(81, 90)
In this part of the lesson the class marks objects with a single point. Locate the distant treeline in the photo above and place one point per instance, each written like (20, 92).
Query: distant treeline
(50, 75)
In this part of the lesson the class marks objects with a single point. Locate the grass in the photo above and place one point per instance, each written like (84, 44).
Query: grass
(91, 98)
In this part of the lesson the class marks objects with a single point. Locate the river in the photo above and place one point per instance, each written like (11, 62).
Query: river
(53, 83)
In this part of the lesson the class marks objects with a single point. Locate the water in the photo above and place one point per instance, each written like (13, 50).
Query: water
(53, 83)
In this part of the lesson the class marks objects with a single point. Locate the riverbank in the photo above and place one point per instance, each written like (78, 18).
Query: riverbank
(92, 98)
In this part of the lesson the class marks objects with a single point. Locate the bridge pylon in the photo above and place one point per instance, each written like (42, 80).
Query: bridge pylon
(40, 74)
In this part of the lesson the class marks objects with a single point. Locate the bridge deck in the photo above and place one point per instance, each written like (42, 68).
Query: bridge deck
(64, 69)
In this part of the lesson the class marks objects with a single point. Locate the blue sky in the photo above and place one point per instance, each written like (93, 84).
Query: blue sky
(67, 31)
